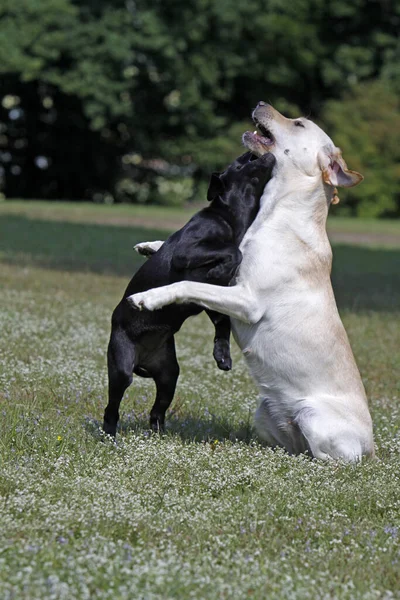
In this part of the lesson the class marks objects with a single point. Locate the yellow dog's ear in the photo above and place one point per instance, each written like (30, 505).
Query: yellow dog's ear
(334, 169)
(335, 197)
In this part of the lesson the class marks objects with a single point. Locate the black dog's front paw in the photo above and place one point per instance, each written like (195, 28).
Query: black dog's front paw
(216, 273)
(222, 355)
(223, 271)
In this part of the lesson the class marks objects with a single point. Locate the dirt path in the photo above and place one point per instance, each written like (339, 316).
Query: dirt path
(341, 230)
(363, 239)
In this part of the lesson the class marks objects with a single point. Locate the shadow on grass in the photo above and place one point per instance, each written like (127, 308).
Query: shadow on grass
(189, 428)
(363, 278)
(366, 278)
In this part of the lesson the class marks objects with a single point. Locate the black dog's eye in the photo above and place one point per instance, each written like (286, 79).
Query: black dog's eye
(299, 124)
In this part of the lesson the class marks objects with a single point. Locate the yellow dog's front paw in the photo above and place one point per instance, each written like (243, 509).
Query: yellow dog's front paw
(144, 300)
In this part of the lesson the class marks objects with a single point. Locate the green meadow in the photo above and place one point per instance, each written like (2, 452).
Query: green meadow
(204, 511)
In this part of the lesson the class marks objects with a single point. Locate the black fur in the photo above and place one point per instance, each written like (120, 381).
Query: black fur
(206, 249)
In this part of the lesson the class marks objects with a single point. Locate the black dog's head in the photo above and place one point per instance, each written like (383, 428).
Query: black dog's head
(247, 175)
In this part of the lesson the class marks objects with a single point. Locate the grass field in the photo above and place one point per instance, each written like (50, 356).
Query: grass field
(204, 511)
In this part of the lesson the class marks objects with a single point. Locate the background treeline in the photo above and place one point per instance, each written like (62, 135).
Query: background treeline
(137, 101)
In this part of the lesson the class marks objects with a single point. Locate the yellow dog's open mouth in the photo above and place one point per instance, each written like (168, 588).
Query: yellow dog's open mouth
(259, 141)
(265, 136)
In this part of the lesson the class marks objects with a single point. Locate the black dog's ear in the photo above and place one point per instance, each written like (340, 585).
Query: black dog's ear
(216, 187)
(244, 158)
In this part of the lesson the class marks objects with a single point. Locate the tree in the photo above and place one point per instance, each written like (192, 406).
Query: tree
(366, 123)
(64, 92)
(86, 83)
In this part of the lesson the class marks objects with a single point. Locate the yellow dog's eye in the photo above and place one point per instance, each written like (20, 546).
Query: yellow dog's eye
(298, 124)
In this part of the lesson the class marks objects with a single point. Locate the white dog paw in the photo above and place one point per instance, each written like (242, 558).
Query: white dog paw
(148, 248)
(143, 249)
(143, 300)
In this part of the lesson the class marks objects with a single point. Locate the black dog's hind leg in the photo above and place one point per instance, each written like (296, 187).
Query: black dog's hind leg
(120, 358)
(223, 272)
(222, 349)
(164, 369)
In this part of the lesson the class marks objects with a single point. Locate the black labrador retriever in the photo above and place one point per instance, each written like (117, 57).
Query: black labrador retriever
(206, 250)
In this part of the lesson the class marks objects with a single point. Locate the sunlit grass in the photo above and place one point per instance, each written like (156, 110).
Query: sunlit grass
(204, 511)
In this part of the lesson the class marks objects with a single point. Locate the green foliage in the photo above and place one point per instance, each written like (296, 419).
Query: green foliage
(161, 190)
(34, 35)
(366, 123)
(54, 43)
(171, 80)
